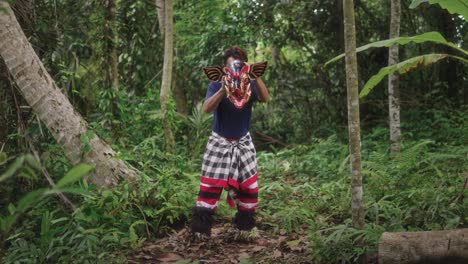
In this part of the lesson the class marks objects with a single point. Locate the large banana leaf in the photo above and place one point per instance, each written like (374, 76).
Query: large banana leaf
(452, 6)
(402, 68)
(434, 37)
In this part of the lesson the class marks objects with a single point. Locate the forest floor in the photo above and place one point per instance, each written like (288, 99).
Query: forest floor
(266, 248)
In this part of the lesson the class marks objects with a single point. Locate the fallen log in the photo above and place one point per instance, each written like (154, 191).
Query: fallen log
(449, 246)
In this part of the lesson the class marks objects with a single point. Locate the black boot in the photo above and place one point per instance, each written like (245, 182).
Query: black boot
(244, 220)
(202, 220)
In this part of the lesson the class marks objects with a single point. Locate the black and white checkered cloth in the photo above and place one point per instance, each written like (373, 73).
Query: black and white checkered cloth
(224, 159)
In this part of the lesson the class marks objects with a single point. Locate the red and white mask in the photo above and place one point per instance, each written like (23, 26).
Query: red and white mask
(235, 78)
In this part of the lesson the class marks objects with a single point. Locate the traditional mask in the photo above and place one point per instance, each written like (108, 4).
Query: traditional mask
(235, 78)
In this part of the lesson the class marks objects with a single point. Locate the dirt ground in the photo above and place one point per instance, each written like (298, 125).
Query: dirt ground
(223, 248)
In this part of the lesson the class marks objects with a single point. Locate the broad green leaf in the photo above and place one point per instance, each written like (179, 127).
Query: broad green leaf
(29, 199)
(402, 68)
(3, 157)
(12, 169)
(434, 37)
(11, 208)
(7, 223)
(32, 162)
(452, 6)
(416, 3)
(75, 174)
(14, 235)
(61, 219)
(79, 191)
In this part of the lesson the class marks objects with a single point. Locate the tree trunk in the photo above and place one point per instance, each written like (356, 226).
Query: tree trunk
(450, 246)
(449, 68)
(274, 53)
(465, 98)
(393, 80)
(111, 64)
(167, 76)
(161, 14)
(111, 41)
(339, 25)
(4, 113)
(353, 114)
(179, 96)
(53, 108)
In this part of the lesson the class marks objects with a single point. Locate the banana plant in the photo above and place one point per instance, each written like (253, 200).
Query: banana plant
(453, 7)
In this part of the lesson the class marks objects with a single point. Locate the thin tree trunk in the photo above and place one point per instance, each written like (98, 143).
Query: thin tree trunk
(179, 96)
(274, 53)
(465, 98)
(393, 80)
(167, 76)
(111, 41)
(353, 114)
(111, 62)
(53, 107)
(339, 24)
(449, 68)
(161, 14)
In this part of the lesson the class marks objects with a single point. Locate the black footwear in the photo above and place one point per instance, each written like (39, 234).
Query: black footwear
(202, 220)
(235, 235)
(199, 238)
(244, 220)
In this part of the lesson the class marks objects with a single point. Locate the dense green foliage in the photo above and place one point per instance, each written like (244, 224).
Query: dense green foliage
(297, 38)
(304, 187)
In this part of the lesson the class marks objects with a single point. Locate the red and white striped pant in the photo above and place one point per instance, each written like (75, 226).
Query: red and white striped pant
(210, 192)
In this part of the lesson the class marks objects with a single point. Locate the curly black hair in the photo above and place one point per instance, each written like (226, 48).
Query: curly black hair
(236, 53)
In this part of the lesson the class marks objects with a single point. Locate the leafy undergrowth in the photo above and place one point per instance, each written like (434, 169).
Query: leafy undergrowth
(304, 202)
(306, 189)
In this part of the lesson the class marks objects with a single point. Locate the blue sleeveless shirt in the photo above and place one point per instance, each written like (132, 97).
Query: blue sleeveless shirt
(229, 121)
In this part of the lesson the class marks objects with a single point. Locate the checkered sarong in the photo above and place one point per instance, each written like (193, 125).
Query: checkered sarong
(229, 163)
